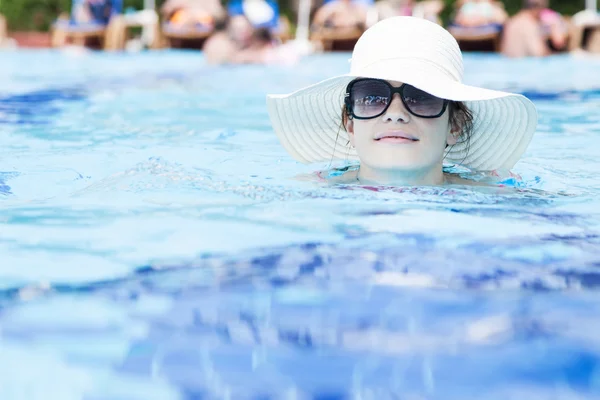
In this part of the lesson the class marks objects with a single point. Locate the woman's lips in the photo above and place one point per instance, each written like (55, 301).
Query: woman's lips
(395, 137)
(395, 140)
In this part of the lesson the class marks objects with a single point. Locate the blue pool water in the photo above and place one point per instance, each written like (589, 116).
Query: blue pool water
(154, 244)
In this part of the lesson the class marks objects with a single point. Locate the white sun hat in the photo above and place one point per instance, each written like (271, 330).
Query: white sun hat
(420, 53)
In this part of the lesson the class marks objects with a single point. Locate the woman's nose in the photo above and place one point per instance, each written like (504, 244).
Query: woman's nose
(396, 112)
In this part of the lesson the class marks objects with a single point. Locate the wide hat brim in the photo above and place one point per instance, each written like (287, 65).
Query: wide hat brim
(308, 122)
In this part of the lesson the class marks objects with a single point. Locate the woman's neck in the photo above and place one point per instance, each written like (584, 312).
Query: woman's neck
(424, 177)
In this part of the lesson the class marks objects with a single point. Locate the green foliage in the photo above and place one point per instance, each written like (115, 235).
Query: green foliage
(567, 7)
(39, 14)
(32, 14)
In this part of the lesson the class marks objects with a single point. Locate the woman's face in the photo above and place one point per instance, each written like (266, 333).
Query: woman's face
(398, 141)
(241, 30)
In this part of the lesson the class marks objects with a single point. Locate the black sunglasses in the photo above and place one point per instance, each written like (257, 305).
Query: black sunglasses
(368, 98)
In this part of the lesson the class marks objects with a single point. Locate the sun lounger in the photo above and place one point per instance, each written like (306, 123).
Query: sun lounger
(68, 28)
(585, 32)
(337, 39)
(481, 38)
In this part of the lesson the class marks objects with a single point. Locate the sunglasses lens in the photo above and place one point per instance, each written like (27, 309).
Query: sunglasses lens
(369, 98)
(422, 103)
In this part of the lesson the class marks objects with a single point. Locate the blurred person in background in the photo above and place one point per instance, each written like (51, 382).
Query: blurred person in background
(261, 45)
(189, 13)
(427, 9)
(238, 41)
(393, 8)
(5, 41)
(535, 31)
(478, 24)
(478, 13)
(231, 36)
(341, 14)
(3, 31)
(93, 11)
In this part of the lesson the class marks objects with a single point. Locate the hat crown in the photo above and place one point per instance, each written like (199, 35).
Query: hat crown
(418, 41)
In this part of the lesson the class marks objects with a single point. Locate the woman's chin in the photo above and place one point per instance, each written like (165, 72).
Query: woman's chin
(400, 161)
(397, 166)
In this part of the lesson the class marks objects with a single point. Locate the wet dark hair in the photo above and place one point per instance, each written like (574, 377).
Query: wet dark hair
(263, 35)
(460, 118)
(221, 24)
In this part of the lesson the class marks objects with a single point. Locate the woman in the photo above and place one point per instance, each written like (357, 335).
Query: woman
(94, 11)
(191, 13)
(340, 14)
(477, 13)
(403, 112)
(239, 42)
(535, 31)
(428, 9)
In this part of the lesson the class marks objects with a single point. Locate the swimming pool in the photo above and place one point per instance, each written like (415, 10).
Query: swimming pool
(155, 245)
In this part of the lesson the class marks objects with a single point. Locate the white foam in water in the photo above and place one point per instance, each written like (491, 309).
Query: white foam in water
(460, 226)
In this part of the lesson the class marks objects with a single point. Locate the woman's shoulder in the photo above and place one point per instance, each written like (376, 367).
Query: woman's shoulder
(457, 175)
(454, 175)
(338, 175)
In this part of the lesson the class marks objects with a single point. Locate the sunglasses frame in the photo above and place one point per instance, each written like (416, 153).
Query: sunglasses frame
(393, 90)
